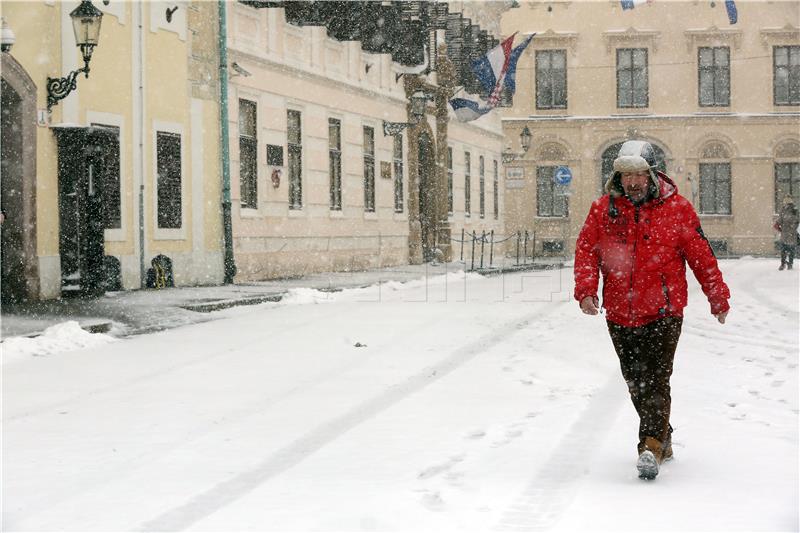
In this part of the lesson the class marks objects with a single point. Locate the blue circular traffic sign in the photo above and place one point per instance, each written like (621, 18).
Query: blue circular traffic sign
(562, 176)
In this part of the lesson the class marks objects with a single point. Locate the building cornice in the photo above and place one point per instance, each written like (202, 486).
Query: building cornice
(315, 77)
(786, 35)
(713, 36)
(552, 39)
(631, 37)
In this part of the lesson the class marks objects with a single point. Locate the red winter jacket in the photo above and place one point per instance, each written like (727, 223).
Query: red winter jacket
(642, 253)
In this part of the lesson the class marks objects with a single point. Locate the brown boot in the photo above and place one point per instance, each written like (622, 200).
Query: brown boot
(668, 446)
(651, 455)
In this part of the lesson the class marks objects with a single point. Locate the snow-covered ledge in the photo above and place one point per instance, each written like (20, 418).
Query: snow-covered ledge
(552, 40)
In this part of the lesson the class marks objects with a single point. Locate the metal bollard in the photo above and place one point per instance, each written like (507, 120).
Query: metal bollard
(491, 249)
(472, 264)
(462, 244)
(525, 250)
(533, 247)
(483, 240)
(518, 239)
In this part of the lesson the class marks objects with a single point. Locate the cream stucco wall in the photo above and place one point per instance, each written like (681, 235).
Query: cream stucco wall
(751, 129)
(300, 68)
(111, 95)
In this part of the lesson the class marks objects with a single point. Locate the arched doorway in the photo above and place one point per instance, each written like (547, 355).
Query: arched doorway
(18, 257)
(610, 154)
(426, 172)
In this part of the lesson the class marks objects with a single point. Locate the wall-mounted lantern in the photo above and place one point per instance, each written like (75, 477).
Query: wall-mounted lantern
(419, 100)
(86, 24)
(7, 37)
(524, 140)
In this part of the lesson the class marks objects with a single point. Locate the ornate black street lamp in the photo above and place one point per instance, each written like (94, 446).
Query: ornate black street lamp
(86, 23)
(524, 140)
(418, 102)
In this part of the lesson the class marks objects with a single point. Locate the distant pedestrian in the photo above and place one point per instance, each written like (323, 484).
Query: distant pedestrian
(787, 223)
(640, 236)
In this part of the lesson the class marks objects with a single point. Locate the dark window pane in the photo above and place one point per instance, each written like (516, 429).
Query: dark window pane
(295, 151)
(369, 169)
(551, 79)
(168, 155)
(467, 185)
(398, 174)
(109, 167)
(335, 162)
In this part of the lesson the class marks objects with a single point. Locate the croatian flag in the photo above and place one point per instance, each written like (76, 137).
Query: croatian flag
(467, 110)
(497, 69)
(733, 15)
(630, 4)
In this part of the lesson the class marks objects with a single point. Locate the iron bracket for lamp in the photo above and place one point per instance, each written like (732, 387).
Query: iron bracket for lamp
(394, 128)
(59, 88)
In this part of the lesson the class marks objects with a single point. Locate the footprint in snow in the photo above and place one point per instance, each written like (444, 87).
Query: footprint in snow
(435, 470)
(433, 501)
(476, 434)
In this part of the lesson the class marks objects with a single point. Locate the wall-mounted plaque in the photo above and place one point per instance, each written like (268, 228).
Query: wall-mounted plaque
(275, 155)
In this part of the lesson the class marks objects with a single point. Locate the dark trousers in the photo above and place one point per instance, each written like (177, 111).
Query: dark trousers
(645, 355)
(787, 254)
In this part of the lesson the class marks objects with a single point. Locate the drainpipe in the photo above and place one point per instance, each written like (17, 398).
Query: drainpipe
(139, 158)
(227, 231)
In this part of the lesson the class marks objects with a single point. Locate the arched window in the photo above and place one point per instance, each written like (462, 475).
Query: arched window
(715, 179)
(787, 173)
(610, 154)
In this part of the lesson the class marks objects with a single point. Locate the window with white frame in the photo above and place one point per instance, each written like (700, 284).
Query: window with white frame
(714, 76)
(168, 182)
(496, 190)
(715, 188)
(551, 79)
(112, 198)
(632, 83)
(398, 173)
(787, 182)
(551, 200)
(295, 150)
(786, 75)
(335, 163)
(482, 185)
(248, 154)
(369, 169)
(449, 180)
(467, 185)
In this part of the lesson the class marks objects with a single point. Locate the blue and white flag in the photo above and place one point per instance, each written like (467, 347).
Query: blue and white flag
(468, 110)
(733, 15)
(630, 4)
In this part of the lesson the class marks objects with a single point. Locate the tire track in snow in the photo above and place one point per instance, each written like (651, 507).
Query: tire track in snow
(552, 488)
(228, 491)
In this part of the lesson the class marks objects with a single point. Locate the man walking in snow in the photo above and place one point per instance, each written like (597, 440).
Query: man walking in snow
(640, 235)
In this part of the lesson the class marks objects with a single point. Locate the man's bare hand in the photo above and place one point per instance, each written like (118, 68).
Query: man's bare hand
(721, 316)
(590, 305)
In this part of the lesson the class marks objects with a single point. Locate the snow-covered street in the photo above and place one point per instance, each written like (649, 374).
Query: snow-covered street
(457, 403)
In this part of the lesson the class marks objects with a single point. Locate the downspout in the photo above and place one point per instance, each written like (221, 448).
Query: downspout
(139, 102)
(227, 230)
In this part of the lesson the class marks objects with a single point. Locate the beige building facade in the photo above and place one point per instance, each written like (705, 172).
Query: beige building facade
(317, 185)
(126, 166)
(719, 101)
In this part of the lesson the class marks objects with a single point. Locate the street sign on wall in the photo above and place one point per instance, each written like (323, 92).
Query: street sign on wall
(562, 176)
